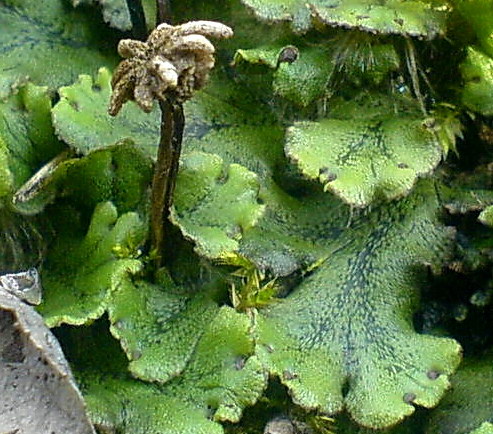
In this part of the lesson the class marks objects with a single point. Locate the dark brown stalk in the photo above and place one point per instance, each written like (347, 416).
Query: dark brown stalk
(138, 19)
(168, 159)
(166, 169)
(163, 12)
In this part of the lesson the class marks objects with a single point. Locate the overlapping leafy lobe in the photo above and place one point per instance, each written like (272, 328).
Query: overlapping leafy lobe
(159, 326)
(118, 403)
(214, 203)
(82, 270)
(222, 377)
(82, 121)
(366, 150)
(164, 330)
(120, 174)
(413, 18)
(469, 404)
(353, 316)
(51, 44)
(225, 374)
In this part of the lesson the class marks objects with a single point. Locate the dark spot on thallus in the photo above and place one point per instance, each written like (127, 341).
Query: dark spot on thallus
(234, 231)
(402, 166)
(114, 165)
(223, 178)
(240, 363)
(288, 375)
(409, 397)
(345, 388)
(96, 88)
(74, 105)
(399, 21)
(55, 98)
(210, 411)
(432, 375)
(325, 173)
(288, 54)
(475, 79)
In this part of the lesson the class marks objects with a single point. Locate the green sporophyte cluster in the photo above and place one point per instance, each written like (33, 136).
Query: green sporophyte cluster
(284, 224)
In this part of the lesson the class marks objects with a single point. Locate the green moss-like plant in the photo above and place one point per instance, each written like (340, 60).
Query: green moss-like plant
(327, 259)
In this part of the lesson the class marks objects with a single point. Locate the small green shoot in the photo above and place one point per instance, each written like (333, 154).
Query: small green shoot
(250, 287)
